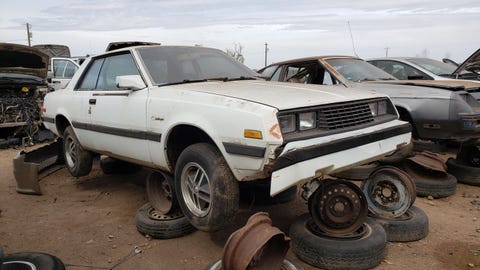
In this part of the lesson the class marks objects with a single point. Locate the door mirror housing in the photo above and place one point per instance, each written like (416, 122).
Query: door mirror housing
(130, 82)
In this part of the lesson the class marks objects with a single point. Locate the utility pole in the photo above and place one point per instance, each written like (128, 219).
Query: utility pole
(386, 51)
(29, 35)
(266, 51)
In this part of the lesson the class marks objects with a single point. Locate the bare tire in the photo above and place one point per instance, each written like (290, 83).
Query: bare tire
(436, 188)
(78, 161)
(206, 189)
(287, 264)
(411, 226)
(364, 249)
(358, 173)
(465, 174)
(161, 226)
(31, 260)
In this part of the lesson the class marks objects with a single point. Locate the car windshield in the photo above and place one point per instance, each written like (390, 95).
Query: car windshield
(174, 65)
(434, 66)
(358, 70)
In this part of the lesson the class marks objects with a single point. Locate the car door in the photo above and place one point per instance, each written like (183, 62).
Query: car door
(63, 71)
(117, 117)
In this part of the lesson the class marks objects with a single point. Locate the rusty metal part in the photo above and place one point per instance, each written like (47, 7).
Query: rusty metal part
(338, 207)
(426, 166)
(390, 192)
(160, 192)
(257, 245)
(30, 167)
(429, 161)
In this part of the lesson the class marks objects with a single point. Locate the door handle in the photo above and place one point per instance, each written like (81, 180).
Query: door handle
(92, 101)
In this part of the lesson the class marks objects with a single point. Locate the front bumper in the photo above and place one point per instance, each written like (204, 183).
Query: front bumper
(303, 160)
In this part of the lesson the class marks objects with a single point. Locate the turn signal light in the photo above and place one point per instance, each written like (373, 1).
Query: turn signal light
(252, 134)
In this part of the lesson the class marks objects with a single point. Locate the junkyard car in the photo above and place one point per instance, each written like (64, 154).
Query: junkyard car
(22, 85)
(201, 116)
(438, 110)
(417, 68)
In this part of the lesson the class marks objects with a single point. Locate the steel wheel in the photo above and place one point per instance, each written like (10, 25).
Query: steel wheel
(390, 192)
(338, 207)
(196, 189)
(161, 193)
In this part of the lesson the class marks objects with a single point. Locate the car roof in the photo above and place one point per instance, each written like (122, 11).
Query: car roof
(313, 58)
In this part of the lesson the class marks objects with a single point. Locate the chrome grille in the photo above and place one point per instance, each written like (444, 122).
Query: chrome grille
(344, 115)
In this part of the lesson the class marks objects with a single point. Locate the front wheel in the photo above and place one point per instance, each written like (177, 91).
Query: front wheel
(78, 160)
(206, 189)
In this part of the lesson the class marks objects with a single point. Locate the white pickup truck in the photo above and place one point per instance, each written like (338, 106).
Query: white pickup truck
(199, 115)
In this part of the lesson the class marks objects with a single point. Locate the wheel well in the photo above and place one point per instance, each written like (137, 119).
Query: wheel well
(62, 123)
(181, 137)
(405, 116)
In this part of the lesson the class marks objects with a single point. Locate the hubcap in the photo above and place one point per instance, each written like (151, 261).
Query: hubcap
(196, 191)
(338, 207)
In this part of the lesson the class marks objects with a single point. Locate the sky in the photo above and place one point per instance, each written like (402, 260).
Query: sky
(292, 29)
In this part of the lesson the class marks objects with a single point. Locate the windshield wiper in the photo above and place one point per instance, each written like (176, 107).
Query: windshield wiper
(184, 81)
(367, 79)
(227, 79)
(385, 79)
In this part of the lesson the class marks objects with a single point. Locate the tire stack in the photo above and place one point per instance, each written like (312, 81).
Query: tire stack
(161, 217)
(466, 167)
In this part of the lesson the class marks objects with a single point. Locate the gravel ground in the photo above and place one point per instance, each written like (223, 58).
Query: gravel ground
(89, 224)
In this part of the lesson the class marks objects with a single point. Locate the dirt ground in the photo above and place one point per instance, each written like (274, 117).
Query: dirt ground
(89, 224)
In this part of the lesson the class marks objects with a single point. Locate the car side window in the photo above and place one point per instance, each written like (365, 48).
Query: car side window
(89, 81)
(400, 70)
(59, 68)
(113, 66)
(276, 75)
(70, 70)
(268, 72)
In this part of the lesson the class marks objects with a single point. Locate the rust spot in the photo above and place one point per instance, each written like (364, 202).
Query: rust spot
(275, 131)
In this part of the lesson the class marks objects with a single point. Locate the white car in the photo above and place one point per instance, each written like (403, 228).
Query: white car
(199, 115)
(418, 68)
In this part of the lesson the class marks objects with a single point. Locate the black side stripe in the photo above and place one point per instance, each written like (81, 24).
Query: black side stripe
(244, 150)
(136, 134)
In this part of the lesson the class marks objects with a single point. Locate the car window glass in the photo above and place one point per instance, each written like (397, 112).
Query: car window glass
(70, 70)
(268, 72)
(113, 66)
(59, 68)
(276, 75)
(89, 81)
(168, 65)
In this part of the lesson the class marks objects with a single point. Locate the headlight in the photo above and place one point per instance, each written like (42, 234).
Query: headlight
(287, 123)
(378, 108)
(307, 120)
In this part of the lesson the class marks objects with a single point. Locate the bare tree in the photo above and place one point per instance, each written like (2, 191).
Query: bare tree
(236, 52)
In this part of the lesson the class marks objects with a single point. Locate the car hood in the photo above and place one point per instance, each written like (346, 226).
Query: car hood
(404, 90)
(281, 95)
(472, 64)
(20, 59)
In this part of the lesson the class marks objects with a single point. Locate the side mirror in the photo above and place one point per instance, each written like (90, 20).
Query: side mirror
(49, 75)
(130, 82)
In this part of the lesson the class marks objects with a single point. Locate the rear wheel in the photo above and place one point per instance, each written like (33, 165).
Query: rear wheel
(206, 189)
(79, 161)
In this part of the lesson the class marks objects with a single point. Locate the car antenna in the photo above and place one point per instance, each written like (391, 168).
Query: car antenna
(351, 37)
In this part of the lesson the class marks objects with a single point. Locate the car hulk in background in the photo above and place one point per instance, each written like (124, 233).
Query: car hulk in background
(197, 114)
(23, 71)
(437, 110)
